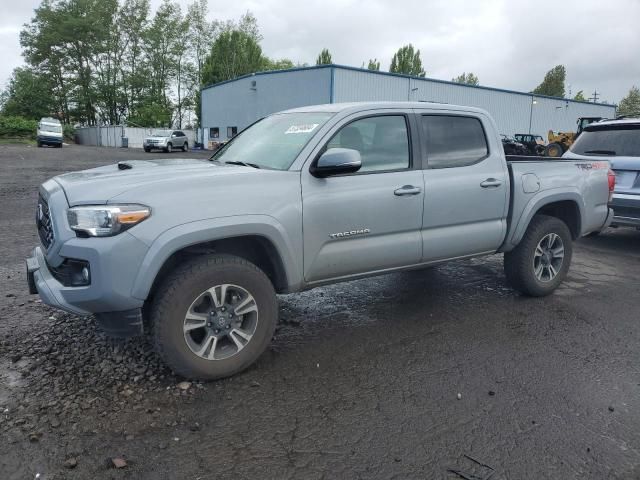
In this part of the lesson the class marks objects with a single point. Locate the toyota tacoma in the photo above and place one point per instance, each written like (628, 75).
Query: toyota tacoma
(194, 251)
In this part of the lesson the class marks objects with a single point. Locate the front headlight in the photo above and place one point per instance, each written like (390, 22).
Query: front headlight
(106, 220)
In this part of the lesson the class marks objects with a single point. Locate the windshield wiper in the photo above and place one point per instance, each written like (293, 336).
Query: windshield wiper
(600, 152)
(238, 162)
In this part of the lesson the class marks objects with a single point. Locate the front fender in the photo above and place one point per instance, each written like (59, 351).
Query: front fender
(535, 203)
(201, 231)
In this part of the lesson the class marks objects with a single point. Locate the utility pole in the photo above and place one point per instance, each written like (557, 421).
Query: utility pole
(595, 96)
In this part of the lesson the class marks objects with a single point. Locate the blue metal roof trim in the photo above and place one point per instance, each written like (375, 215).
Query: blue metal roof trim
(401, 75)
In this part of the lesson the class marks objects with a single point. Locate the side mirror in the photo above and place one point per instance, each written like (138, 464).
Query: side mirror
(337, 161)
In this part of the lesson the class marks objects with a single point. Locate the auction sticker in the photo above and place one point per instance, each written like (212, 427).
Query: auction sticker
(308, 128)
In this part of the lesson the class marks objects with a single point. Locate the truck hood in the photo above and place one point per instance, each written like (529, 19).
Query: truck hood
(98, 185)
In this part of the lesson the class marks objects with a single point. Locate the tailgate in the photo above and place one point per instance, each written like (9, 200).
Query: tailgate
(627, 170)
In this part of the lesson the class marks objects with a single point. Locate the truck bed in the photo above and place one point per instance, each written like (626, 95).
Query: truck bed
(569, 183)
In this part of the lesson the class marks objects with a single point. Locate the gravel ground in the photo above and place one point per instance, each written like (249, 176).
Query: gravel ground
(413, 375)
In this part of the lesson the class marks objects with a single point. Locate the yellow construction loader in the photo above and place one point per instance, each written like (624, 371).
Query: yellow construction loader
(559, 142)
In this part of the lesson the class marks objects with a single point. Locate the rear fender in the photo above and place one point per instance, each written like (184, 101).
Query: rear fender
(537, 203)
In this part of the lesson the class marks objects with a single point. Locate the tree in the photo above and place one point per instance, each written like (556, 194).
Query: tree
(553, 83)
(467, 79)
(234, 53)
(407, 61)
(28, 95)
(580, 96)
(324, 58)
(373, 65)
(630, 105)
(281, 64)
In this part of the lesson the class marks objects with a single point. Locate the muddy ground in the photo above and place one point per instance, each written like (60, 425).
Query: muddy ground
(410, 375)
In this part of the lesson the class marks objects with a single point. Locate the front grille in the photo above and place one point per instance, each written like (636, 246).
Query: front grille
(44, 223)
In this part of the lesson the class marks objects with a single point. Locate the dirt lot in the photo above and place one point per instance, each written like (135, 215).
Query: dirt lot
(409, 375)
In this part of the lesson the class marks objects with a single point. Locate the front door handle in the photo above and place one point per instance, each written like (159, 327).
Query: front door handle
(491, 182)
(407, 190)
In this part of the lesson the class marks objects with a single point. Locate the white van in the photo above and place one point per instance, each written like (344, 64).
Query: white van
(49, 132)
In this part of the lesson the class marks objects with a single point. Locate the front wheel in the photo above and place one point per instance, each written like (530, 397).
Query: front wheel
(168, 148)
(541, 260)
(213, 317)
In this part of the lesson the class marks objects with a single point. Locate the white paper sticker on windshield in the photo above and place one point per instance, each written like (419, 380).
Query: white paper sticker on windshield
(308, 128)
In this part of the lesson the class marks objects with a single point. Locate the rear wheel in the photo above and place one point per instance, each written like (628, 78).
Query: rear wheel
(213, 317)
(185, 147)
(147, 149)
(541, 260)
(554, 150)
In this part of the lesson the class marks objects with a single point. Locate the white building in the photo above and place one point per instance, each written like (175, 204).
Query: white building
(228, 107)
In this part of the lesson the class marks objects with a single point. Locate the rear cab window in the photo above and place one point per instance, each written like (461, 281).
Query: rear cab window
(611, 140)
(453, 140)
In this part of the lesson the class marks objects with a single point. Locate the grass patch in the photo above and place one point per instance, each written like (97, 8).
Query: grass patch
(17, 141)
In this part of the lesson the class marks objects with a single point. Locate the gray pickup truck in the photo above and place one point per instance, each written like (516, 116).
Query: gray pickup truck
(196, 251)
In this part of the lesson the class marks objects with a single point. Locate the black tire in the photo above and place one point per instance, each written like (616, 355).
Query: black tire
(39, 144)
(185, 147)
(554, 150)
(519, 263)
(168, 148)
(147, 150)
(181, 289)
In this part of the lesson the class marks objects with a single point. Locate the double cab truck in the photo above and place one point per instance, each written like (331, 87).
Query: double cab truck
(195, 251)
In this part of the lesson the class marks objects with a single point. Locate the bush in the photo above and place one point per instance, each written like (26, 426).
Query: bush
(17, 127)
(69, 132)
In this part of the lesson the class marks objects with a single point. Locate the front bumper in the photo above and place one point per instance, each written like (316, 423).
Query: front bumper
(626, 210)
(120, 323)
(114, 263)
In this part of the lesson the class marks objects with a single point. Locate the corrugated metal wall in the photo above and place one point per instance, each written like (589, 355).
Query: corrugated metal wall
(239, 103)
(112, 136)
(512, 111)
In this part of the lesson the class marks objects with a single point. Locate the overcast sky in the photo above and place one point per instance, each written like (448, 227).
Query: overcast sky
(507, 44)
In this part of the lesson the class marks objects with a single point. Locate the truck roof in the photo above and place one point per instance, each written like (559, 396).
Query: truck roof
(614, 121)
(361, 106)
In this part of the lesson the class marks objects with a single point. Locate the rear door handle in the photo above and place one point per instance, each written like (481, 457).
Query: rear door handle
(407, 190)
(491, 182)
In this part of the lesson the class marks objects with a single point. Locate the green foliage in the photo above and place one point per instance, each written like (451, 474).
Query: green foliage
(553, 83)
(28, 95)
(234, 53)
(407, 61)
(373, 65)
(68, 131)
(324, 58)
(580, 96)
(151, 113)
(17, 127)
(282, 64)
(630, 105)
(467, 79)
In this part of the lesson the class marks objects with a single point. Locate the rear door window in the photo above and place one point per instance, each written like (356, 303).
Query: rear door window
(453, 140)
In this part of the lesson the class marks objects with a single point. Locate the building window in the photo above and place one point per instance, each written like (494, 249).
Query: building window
(232, 132)
(214, 132)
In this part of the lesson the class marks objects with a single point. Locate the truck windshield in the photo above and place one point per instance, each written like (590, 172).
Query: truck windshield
(618, 140)
(273, 142)
(48, 127)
